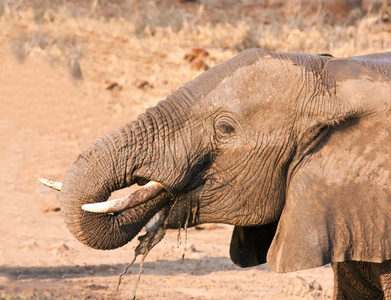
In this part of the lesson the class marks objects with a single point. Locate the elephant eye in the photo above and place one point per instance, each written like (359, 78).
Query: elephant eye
(225, 128)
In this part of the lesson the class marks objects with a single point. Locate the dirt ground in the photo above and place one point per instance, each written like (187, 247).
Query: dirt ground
(49, 114)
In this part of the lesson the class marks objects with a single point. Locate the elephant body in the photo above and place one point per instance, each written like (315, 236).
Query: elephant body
(292, 149)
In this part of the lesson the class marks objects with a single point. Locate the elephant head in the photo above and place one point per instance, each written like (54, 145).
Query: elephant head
(289, 148)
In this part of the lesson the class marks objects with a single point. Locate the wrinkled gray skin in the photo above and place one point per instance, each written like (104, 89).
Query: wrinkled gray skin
(292, 149)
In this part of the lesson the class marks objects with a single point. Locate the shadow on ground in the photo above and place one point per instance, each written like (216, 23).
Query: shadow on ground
(161, 267)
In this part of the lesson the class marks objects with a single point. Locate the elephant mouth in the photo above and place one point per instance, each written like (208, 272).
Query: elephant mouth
(155, 227)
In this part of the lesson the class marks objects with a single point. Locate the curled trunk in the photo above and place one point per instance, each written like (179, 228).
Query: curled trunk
(105, 166)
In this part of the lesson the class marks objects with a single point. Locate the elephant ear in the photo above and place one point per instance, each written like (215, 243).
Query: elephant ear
(338, 195)
(249, 244)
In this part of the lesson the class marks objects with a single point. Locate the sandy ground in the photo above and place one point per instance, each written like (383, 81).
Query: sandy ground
(46, 119)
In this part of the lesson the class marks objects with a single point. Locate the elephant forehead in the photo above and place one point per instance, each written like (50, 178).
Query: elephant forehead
(264, 90)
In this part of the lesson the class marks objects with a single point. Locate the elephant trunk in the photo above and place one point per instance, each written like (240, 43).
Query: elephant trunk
(105, 166)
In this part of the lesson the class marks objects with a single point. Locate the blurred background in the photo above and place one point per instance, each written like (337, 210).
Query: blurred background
(71, 71)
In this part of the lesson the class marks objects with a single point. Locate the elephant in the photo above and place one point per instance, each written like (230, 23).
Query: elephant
(292, 149)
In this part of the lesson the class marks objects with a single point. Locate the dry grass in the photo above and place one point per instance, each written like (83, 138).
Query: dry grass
(129, 43)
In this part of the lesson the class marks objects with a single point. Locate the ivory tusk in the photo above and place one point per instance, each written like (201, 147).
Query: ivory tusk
(51, 183)
(149, 191)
